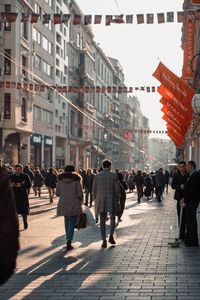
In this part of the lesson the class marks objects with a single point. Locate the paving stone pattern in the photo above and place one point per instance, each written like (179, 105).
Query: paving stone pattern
(140, 266)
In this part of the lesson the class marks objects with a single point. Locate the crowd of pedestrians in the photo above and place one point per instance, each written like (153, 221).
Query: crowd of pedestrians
(103, 188)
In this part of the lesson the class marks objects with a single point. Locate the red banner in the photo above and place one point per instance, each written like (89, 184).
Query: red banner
(186, 110)
(189, 45)
(196, 2)
(174, 84)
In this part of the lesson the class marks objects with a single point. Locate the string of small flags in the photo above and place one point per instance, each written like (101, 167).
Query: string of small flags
(74, 89)
(149, 18)
(125, 131)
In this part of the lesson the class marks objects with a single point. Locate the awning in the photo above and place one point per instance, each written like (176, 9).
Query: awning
(98, 149)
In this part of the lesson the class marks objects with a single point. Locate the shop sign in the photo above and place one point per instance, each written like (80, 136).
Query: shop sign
(48, 141)
(36, 139)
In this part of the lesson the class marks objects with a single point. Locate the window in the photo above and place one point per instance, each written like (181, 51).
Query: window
(57, 62)
(61, 27)
(56, 113)
(49, 25)
(49, 2)
(36, 36)
(25, 30)
(58, 38)
(58, 50)
(57, 73)
(24, 110)
(65, 70)
(49, 96)
(46, 68)
(24, 64)
(72, 123)
(45, 43)
(65, 32)
(63, 106)
(47, 116)
(38, 9)
(37, 113)
(7, 26)
(78, 40)
(7, 106)
(7, 62)
(37, 62)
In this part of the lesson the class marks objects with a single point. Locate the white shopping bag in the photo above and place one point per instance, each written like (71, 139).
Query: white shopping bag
(90, 218)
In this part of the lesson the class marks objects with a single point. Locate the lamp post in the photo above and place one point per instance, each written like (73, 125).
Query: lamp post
(196, 104)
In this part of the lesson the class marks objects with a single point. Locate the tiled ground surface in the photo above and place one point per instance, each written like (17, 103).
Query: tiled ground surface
(140, 266)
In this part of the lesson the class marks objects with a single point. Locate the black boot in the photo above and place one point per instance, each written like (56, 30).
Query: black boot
(111, 240)
(104, 244)
(69, 246)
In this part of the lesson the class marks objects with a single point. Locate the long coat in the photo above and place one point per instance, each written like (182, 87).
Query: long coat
(106, 192)
(9, 244)
(70, 194)
(148, 185)
(21, 193)
(38, 179)
(50, 180)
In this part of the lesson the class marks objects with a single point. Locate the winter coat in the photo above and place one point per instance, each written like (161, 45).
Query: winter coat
(29, 173)
(38, 179)
(89, 181)
(148, 185)
(139, 180)
(191, 192)
(21, 193)
(131, 184)
(160, 180)
(70, 194)
(106, 192)
(123, 188)
(50, 180)
(8, 228)
(166, 177)
(177, 180)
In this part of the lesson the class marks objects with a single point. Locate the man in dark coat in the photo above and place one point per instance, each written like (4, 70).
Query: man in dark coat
(179, 178)
(21, 183)
(88, 186)
(160, 183)
(50, 182)
(191, 202)
(139, 180)
(9, 243)
(106, 195)
(166, 180)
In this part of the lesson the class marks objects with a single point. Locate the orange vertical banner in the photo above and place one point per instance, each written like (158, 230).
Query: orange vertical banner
(189, 45)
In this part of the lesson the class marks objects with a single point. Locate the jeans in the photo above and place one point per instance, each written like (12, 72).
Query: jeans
(70, 222)
(87, 193)
(103, 217)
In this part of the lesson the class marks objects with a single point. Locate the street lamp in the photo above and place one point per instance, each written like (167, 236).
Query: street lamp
(196, 104)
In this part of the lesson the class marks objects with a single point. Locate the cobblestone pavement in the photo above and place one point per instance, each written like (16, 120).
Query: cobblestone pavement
(140, 266)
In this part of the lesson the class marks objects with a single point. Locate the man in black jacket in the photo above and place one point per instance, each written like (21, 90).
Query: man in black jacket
(179, 179)
(21, 183)
(191, 202)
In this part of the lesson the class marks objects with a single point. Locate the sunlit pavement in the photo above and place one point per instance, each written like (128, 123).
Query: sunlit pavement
(140, 266)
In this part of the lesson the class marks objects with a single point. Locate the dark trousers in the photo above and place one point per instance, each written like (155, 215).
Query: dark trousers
(182, 221)
(191, 237)
(122, 205)
(159, 193)
(103, 217)
(24, 216)
(139, 192)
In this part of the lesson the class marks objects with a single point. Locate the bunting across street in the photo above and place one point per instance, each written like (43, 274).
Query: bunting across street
(140, 18)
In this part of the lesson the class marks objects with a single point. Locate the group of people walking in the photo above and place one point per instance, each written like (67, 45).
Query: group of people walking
(108, 192)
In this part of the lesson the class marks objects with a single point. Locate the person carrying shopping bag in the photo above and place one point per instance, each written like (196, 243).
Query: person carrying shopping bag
(69, 190)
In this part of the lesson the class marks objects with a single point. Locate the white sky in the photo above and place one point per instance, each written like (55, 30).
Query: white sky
(138, 47)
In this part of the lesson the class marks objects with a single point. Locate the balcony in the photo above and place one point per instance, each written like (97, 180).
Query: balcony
(89, 107)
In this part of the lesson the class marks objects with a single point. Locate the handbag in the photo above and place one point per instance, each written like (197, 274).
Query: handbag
(81, 221)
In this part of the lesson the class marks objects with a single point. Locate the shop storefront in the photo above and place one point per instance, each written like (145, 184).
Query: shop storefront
(48, 145)
(11, 149)
(81, 158)
(35, 150)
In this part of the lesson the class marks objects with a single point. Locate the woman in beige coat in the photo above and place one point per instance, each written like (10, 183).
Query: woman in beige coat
(69, 190)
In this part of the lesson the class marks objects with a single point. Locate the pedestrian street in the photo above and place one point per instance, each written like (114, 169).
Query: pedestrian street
(141, 266)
